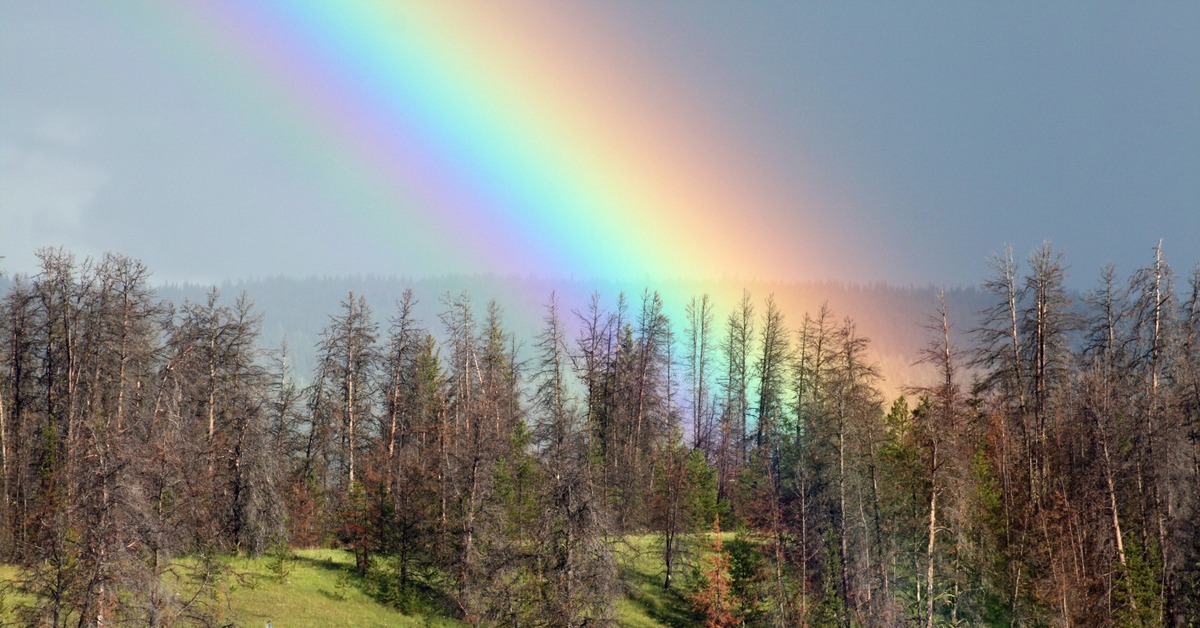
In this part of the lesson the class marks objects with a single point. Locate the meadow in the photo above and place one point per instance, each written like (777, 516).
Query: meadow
(317, 588)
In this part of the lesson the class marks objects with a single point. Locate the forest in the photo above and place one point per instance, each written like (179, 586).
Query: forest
(1048, 473)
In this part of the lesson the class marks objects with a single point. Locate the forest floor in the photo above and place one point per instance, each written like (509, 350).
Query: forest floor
(320, 587)
(646, 603)
(323, 589)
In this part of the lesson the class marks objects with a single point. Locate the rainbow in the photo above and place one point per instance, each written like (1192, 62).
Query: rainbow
(520, 138)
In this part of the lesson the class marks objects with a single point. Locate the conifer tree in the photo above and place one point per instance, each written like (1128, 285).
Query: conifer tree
(716, 600)
(576, 558)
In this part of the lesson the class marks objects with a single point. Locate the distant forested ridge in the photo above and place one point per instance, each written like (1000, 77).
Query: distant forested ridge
(488, 460)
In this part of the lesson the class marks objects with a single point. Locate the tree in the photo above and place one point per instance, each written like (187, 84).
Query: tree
(736, 347)
(419, 510)
(488, 424)
(341, 399)
(1104, 374)
(596, 364)
(683, 500)
(400, 385)
(255, 514)
(1153, 347)
(856, 414)
(218, 386)
(698, 331)
(576, 559)
(771, 369)
(715, 600)
(940, 427)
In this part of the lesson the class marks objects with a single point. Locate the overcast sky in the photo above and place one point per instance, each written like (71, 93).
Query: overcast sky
(939, 131)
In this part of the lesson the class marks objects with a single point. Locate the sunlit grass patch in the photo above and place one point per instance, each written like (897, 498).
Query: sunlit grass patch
(320, 588)
(645, 601)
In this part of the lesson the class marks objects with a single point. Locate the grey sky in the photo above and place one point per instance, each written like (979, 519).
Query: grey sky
(942, 131)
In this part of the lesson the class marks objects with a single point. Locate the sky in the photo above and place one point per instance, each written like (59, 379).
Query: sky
(785, 141)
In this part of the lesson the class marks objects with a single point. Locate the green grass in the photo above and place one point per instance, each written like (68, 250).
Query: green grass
(9, 597)
(321, 588)
(646, 603)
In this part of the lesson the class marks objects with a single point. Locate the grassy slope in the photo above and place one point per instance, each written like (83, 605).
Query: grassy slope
(646, 603)
(322, 589)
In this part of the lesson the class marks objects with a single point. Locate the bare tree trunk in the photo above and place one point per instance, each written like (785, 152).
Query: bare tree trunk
(803, 548)
(931, 545)
(843, 540)
(123, 358)
(212, 402)
(350, 445)
(1112, 499)
(4, 495)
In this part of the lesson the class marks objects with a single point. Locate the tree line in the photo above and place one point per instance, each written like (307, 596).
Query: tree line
(1047, 474)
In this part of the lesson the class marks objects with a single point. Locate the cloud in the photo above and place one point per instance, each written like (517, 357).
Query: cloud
(63, 130)
(45, 193)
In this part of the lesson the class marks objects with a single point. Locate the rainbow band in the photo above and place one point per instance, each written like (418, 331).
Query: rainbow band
(515, 138)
